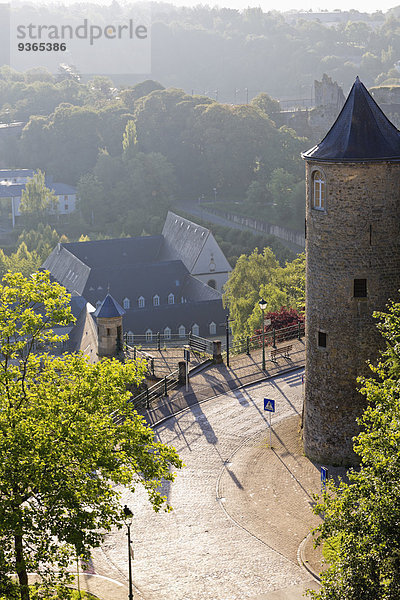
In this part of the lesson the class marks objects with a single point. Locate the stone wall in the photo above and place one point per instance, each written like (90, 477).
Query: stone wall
(356, 237)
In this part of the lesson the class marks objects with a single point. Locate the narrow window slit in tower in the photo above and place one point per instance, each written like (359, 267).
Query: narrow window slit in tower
(322, 339)
(360, 288)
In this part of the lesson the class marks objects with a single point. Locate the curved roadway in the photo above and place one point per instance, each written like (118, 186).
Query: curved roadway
(221, 541)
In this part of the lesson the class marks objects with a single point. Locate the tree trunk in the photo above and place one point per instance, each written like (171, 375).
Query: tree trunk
(21, 568)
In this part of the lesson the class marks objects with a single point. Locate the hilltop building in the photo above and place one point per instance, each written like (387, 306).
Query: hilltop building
(353, 267)
(168, 284)
(12, 184)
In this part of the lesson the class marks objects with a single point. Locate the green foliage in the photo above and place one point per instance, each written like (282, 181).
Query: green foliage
(62, 452)
(37, 201)
(365, 513)
(266, 104)
(260, 276)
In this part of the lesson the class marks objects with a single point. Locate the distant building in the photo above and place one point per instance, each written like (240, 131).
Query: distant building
(168, 284)
(12, 184)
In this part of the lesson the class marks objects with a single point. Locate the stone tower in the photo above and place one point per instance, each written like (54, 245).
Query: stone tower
(109, 327)
(353, 267)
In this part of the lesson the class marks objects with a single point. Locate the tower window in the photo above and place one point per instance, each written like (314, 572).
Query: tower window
(127, 303)
(360, 288)
(171, 299)
(141, 302)
(322, 339)
(318, 190)
(156, 300)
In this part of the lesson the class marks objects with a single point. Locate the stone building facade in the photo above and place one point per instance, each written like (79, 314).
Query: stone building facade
(353, 268)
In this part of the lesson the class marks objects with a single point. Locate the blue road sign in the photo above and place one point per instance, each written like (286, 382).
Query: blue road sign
(269, 405)
(324, 475)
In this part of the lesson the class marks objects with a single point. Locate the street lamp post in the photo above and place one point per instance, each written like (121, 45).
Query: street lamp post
(263, 305)
(128, 522)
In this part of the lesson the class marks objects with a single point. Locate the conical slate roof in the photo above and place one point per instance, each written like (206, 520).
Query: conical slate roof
(361, 133)
(109, 308)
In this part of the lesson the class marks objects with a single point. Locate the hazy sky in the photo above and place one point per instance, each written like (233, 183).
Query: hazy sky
(281, 5)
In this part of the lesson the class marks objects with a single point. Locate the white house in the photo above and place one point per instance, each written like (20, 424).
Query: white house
(12, 184)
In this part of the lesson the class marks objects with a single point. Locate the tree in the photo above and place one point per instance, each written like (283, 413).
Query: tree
(37, 200)
(260, 276)
(361, 518)
(61, 448)
(266, 104)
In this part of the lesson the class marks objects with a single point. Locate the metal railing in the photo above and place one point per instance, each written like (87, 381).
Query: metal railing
(272, 338)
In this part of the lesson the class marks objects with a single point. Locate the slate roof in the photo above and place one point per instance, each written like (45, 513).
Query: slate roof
(362, 132)
(10, 173)
(15, 190)
(183, 239)
(67, 269)
(175, 315)
(117, 252)
(108, 309)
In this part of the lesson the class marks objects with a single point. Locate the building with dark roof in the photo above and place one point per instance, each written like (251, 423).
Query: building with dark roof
(352, 268)
(12, 184)
(150, 281)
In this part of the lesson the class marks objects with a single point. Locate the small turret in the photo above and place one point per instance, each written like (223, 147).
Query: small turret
(109, 327)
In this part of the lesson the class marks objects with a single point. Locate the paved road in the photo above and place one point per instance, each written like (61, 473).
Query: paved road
(201, 550)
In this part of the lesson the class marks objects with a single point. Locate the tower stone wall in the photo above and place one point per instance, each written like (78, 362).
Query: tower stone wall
(356, 236)
(110, 335)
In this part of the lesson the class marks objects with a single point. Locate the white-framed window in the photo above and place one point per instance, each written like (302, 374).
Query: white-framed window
(318, 190)
(195, 329)
(182, 331)
(167, 333)
(213, 328)
(212, 283)
(141, 302)
(126, 303)
(129, 337)
(171, 299)
(156, 300)
(149, 335)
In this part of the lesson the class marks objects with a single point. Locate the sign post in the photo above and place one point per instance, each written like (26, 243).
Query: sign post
(186, 355)
(324, 478)
(269, 405)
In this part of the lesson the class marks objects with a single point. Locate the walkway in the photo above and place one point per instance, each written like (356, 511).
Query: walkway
(241, 510)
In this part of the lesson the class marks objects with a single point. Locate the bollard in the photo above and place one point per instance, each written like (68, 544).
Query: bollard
(217, 355)
(299, 332)
(248, 346)
(158, 341)
(147, 398)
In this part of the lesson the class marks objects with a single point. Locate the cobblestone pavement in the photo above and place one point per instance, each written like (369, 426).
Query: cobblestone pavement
(241, 509)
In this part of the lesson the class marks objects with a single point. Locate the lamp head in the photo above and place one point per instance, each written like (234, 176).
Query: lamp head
(128, 515)
(262, 304)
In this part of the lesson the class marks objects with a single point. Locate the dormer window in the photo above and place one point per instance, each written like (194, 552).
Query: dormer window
(149, 335)
(126, 303)
(182, 331)
(141, 302)
(167, 333)
(98, 303)
(213, 328)
(171, 299)
(195, 329)
(156, 300)
(129, 338)
(318, 190)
